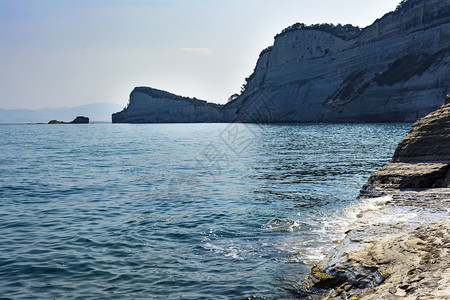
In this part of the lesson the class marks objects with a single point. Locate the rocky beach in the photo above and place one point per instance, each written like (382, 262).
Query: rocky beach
(398, 249)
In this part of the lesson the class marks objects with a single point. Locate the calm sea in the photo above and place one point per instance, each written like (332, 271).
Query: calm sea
(189, 211)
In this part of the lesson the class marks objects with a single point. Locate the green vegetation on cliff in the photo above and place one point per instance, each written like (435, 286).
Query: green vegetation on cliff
(345, 32)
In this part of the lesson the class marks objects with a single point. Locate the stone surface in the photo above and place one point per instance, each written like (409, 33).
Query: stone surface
(410, 264)
(56, 122)
(400, 247)
(417, 263)
(421, 160)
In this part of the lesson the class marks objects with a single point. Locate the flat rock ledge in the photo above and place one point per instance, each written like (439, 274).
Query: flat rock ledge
(401, 249)
(395, 259)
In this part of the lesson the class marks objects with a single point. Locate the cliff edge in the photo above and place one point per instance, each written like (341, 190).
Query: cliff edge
(421, 160)
(394, 70)
(148, 105)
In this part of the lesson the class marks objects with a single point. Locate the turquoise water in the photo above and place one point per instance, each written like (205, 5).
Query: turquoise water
(191, 211)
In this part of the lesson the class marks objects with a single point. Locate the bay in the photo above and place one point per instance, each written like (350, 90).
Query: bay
(191, 211)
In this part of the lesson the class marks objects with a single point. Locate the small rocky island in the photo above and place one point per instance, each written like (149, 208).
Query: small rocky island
(77, 120)
(405, 257)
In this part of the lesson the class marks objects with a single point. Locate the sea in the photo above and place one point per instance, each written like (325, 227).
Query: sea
(178, 211)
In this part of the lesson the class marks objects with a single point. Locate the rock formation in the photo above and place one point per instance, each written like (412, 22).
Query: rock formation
(80, 120)
(77, 120)
(56, 122)
(422, 158)
(392, 71)
(149, 105)
(392, 259)
(395, 70)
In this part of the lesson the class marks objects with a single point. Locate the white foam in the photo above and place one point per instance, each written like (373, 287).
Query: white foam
(282, 224)
(354, 211)
(225, 251)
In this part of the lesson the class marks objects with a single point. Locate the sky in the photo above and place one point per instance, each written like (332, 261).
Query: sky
(57, 53)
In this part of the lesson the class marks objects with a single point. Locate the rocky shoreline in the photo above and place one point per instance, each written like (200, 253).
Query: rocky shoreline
(400, 248)
(395, 70)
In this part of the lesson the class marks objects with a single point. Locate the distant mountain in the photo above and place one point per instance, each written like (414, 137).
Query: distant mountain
(100, 112)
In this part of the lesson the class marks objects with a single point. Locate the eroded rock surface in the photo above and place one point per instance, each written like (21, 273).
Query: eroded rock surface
(421, 160)
(400, 248)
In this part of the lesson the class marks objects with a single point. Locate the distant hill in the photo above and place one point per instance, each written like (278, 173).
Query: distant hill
(100, 112)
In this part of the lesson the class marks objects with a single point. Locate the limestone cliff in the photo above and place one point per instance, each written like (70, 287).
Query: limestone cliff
(395, 70)
(147, 105)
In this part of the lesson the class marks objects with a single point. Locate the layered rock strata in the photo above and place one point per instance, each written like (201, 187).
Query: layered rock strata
(400, 249)
(147, 105)
(392, 71)
(395, 70)
(421, 160)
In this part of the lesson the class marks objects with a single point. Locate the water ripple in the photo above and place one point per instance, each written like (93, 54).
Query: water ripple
(176, 210)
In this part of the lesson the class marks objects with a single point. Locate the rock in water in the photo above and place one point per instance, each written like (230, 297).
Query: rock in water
(412, 258)
(56, 122)
(149, 105)
(80, 120)
(77, 120)
(422, 158)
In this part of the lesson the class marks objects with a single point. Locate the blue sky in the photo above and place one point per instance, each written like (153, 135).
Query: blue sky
(74, 52)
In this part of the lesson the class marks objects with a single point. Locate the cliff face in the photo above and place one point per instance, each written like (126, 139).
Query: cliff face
(422, 158)
(395, 70)
(149, 105)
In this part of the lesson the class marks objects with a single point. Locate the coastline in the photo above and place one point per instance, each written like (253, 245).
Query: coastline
(394, 251)
(398, 248)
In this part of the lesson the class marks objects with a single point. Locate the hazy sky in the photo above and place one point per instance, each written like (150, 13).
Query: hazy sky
(74, 52)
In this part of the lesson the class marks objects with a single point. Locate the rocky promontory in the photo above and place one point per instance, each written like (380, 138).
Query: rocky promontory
(399, 248)
(147, 105)
(394, 70)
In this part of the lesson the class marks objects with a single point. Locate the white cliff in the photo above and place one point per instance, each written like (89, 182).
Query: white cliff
(395, 70)
(149, 105)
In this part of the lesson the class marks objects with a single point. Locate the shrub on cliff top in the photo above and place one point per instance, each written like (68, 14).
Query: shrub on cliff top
(345, 32)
